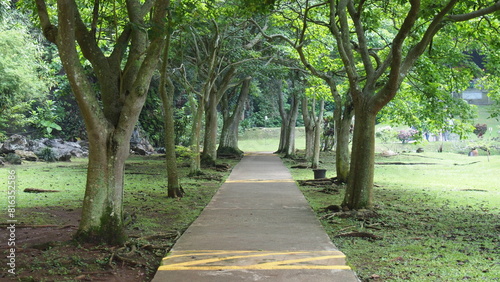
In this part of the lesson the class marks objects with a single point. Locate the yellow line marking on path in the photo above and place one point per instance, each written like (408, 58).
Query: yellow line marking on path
(261, 181)
(205, 253)
(225, 258)
(254, 267)
(300, 260)
(174, 261)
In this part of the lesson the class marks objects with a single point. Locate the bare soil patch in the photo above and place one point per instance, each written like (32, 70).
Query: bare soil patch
(49, 253)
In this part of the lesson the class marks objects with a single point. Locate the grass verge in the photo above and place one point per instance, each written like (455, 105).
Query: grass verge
(46, 222)
(436, 218)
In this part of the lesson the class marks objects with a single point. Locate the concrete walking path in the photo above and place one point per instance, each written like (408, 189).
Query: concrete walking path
(258, 227)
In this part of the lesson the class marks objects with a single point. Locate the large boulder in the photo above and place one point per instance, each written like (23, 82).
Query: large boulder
(27, 155)
(65, 149)
(15, 142)
(18, 147)
(140, 145)
(37, 145)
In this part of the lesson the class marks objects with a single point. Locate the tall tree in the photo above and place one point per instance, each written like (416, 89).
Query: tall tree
(166, 92)
(214, 59)
(288, 114)
(228, 144)
(375, 72)
(313, 120)
(111, 109)
(304, 29)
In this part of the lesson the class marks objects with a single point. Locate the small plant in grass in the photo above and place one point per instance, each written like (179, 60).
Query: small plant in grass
(47, 154)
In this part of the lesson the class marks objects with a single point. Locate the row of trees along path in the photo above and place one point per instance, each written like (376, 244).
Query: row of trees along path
(363, 70)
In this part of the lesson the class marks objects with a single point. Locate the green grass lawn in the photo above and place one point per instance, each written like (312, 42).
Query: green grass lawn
(153, 221)
(267, 139)
(437, 218)
(437, 214)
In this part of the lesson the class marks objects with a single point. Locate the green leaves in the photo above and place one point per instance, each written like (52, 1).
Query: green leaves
(45, 117)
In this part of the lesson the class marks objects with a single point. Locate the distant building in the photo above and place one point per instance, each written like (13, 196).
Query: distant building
(476, 96)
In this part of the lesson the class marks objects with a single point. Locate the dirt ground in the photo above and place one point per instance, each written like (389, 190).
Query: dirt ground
(48, 253)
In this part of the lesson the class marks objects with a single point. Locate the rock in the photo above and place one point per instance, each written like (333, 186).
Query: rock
(64, 149)
(27, 155)
(420, 150)
(37, 145)
(29, 149)
(15, 142)
(139, 149)
(388, 153)
(84, 145)
(473, 153)
(139, 144)
(64, 158)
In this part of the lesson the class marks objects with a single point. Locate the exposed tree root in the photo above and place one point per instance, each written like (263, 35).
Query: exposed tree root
(36, 190)
(360, 235)
(317, 182)
(301, 166)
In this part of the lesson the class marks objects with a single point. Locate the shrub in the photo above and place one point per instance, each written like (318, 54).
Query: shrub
(480, 129)
(47, 154)
(386, 134)
(13, 158)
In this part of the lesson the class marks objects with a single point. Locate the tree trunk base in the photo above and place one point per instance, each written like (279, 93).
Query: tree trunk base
(207, 161)
(229, 153)
(176, 192)
(110, 231)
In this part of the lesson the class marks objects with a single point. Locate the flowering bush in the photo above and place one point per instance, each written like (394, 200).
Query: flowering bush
(480, 129)
(405, 135)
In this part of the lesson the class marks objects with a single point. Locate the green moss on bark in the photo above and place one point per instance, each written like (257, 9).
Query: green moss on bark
(111, 230)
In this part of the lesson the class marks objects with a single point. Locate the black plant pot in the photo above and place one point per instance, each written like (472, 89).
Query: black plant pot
(319, 173)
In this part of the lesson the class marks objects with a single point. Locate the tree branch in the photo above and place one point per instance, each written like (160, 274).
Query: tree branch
(82, 88)
(363, 44)
(396, 57)
(342, 36)
(468, 16)
(50, 31)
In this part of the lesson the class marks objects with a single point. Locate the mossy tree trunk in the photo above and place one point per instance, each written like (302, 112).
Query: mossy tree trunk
(309, 124)
(317, 135)
(289, 121)
(283, 114)
(359, 192)
(102, 210)
(110, 113)
(220, 84)
(312, 122)
(228, 144)
(197, 107)
(174, 189)
(209, 154)
(343, 120)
